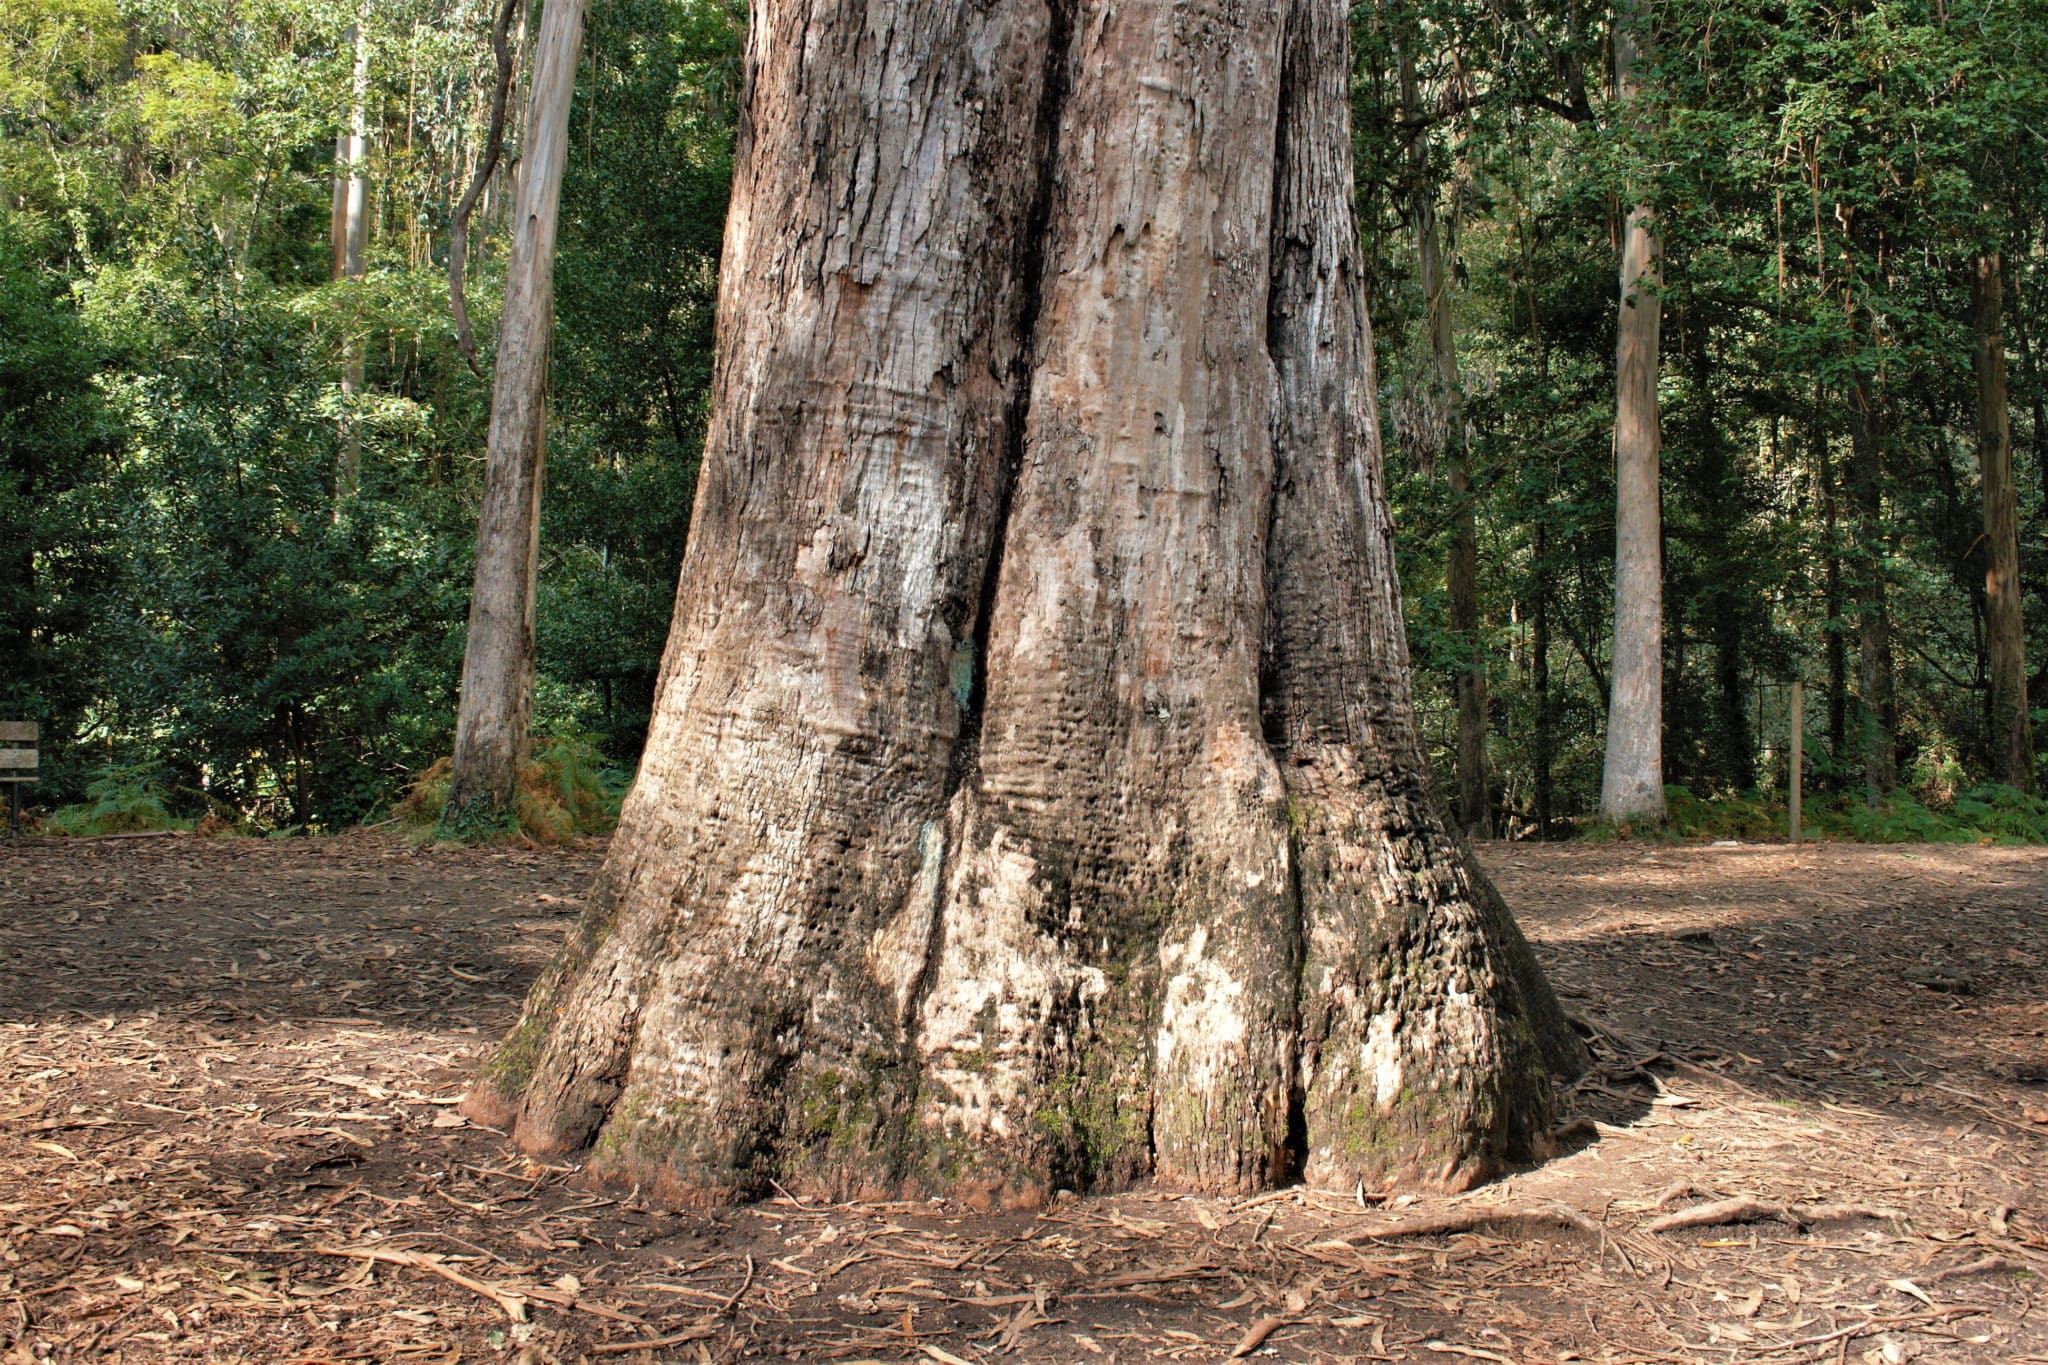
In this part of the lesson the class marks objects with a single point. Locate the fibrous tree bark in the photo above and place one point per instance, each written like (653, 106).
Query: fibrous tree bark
(2012, 731)
(1632, 782)
(497, 661)
(1033, 797)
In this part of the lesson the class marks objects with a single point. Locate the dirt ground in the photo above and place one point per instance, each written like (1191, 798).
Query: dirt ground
(228, 1072)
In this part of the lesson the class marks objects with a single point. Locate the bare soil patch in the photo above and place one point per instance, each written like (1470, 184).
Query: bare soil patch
(228, 1068)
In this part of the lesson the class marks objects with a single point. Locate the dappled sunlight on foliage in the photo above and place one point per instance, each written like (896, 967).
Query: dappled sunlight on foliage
(199, 599)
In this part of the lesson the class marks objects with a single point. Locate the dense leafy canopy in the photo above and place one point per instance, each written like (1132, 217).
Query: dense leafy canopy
(192, 601)
(188, 598)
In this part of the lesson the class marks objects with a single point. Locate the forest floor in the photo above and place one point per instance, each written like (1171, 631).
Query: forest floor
(228, 1072)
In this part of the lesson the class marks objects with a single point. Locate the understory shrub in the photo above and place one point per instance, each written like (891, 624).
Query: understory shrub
(122, 801)
(1990, 814)
(566, 789)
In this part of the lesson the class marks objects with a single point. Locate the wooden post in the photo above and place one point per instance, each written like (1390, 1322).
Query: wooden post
(1795, 779)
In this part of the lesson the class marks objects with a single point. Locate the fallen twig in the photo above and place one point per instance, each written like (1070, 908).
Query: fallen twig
(1746, 1209)
(696, 1332)
(1255, 1337)
(1471, 1219)
(512, 1303)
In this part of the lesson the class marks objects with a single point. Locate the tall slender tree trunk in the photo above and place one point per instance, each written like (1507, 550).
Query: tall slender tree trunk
(1539, 646)
(2037, 405)
(2012, 731)
(1033, 797)
(1873, 616)
(1836, 646)
(348, 229)
(1632, 785)
(1445, 422)
(497, 661)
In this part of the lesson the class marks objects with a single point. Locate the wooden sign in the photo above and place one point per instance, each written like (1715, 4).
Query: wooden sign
(17, 751)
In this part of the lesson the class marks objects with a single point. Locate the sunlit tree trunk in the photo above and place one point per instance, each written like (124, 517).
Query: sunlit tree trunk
(348, 233)
(1632, 785)
(2012, 731)
(497, 662)
(1033, 797)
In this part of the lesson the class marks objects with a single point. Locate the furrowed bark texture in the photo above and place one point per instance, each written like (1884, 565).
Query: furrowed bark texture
(1632, 785)
(2012, 731)
(1033, 798)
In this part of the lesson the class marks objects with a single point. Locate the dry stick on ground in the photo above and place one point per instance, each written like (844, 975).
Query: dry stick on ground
(1465, 1220)
(1256, 1336)
(696, 1332)
(1983, 1265)
(1857, 1329)
(511, 1301)
(1744, 1209)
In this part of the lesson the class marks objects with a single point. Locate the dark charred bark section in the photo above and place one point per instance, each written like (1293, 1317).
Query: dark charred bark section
(1033, 798)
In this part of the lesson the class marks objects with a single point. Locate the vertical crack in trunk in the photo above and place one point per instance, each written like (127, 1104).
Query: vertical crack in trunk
(1292, 1160)
(973, 691)
(1030, 286)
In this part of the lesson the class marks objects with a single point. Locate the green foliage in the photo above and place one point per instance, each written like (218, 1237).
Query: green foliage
(192, 593)
(1823, 178)
(120, 801)
(1990, 814)
(567, 789)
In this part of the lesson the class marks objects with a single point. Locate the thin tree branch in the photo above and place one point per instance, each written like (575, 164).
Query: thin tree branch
(494, 143)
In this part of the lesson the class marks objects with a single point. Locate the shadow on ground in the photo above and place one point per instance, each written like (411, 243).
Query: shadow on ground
(227, 1132)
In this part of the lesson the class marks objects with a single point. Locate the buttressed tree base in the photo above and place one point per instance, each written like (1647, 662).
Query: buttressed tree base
(1033, 797)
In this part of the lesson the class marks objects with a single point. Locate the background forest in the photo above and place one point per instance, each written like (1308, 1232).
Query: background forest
(240, 484)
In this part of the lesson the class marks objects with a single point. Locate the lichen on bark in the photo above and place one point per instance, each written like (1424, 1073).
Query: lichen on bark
(1033, 798)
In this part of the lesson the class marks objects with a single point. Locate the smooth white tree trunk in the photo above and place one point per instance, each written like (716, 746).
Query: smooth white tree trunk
(497, 662)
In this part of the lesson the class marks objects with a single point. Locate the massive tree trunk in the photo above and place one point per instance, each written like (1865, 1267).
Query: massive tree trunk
(497, 659)
(1033, 797)
(1632, 785)
(2012, 731)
